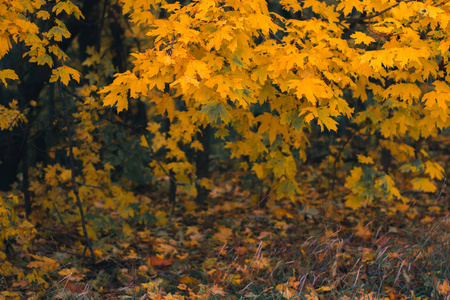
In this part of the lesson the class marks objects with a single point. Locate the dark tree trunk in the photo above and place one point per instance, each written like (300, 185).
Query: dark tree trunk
(9, 159)
(26, 180)
(203, 164)
(172, 189)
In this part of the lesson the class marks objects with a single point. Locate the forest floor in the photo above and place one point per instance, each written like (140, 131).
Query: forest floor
(240, 249)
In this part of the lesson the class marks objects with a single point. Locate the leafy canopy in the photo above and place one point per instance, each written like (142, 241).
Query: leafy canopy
(375, 63)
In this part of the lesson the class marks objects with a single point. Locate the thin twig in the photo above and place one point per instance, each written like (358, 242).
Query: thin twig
(60, 217)
(73, 176)
(444, 185)
(161, 166)
(91, 186)
(170, 177)
(276, 37)
(171, 44)
(338, 156)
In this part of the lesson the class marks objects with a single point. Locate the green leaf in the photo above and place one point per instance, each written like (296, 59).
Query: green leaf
(216, 110)
(57, 33)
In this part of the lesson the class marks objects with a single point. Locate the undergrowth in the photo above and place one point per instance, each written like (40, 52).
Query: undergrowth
(237, 249)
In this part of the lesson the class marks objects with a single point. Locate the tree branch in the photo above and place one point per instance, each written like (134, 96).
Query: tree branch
(373, 15)
(173, 180)
(73, 176)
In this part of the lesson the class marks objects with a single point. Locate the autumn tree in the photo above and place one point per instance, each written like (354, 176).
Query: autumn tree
(50, 130)
(135, 94)
(373, 67)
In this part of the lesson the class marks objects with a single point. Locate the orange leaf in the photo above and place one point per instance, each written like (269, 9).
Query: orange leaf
(160, 262)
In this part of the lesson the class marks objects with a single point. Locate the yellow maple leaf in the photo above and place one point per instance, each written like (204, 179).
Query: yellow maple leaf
(69, 8)
(58, 33)
(116, 94)
(444, 287)
(365, 159)
(324, 119)
(354, 201)
(43, 263)
(291, 4)
(161, 218)
(224, 234)
(5, 44)
(423, 184)
(64, 74)
(7, 74)
(362, 38)
(197, 67)
(261, 22)
(434, 170)
(42, 14)
(224, 33)
(65, 175)
(144, 142)
(311, 88)
(258, 169)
